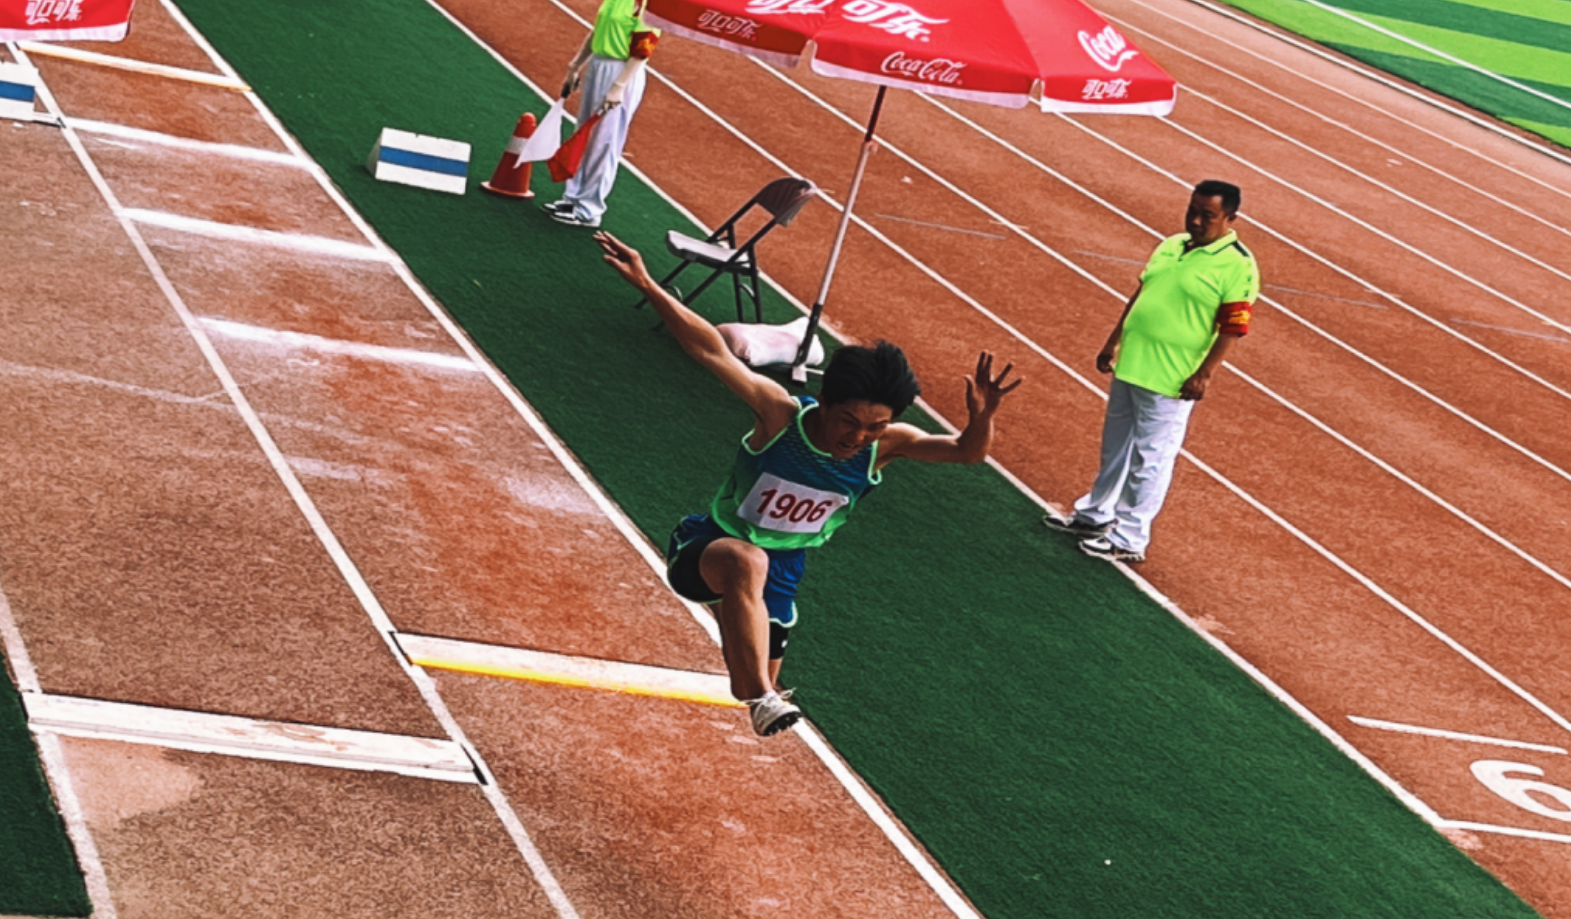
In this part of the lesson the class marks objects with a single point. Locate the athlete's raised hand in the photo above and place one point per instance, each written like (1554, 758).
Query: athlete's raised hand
(984, 391)
(624, 258)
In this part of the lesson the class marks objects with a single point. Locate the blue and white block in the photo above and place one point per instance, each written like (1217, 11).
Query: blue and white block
(18, 91)
(421, 161)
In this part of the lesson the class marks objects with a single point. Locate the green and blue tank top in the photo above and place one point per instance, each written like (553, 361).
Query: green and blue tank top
(790, 494)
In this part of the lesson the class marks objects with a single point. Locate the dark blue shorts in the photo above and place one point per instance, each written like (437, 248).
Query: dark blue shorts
(688, 542)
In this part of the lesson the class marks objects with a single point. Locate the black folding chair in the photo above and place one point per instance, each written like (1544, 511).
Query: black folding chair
(782, 199)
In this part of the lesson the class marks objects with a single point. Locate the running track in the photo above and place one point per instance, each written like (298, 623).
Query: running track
(1373, 508)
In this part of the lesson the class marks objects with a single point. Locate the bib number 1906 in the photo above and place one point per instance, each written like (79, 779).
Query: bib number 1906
(787, 506)
(776, 504)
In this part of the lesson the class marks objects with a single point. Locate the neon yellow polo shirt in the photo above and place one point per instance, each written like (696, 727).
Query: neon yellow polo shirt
(614, 27)
(1173, 323)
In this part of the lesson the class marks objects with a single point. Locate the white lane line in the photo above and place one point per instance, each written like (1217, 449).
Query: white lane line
(308, 509)
(1395, 151)
(124, 63)
(1501, 328)
(229, 735)
(1321, 202)
(302, 341)
(1503, 830)
(53, 759)
(233, 151)
(1399, 728)
(568, 670)
(1347, 273)
(316, 245)
(1553, 100)
(1537, 145)
(938, 226)
(1364, 580)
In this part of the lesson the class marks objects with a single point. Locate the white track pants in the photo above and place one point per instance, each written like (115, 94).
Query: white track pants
(1142, 433)
(589, 189)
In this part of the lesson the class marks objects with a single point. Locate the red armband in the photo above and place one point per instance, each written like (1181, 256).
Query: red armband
(1233, 318)
(643, 45)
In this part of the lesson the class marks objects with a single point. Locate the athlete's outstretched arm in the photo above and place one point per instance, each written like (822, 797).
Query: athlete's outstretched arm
(984, 393)
(701, 340)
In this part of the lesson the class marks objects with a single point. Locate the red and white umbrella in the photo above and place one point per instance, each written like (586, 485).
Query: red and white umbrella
(1060, 54)
(64, 20)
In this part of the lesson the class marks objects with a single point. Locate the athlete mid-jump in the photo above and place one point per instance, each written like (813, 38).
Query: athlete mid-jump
(797, 475)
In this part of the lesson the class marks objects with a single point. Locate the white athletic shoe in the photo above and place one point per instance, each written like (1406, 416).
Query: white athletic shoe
(1103, 548)
(772, 714)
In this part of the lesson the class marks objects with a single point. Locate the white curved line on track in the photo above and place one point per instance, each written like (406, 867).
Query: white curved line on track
(1363, 579)
(1149, 38)
(1152, 231)
(1386, 113)
(307, 507)
(1536, 144)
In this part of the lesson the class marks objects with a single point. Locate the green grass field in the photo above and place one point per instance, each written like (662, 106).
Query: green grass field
(1066, 720)
(1526, 41)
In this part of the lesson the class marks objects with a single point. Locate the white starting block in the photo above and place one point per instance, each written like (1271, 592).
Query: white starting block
(763, 345)
(18, 92)
(421, 161)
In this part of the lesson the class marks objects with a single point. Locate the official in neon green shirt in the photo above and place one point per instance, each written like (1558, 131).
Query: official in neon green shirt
(610, 66)
(1195, 299)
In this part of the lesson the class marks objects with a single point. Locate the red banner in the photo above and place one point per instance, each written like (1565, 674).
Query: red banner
(64, 20)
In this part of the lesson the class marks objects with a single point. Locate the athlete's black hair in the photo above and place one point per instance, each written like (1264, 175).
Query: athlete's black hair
(1230, 194)
(879, 375)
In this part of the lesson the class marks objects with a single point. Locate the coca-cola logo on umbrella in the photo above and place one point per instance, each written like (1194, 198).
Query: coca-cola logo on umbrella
(42, 11)
(1107, 48)
(894, 18)
(738, 27)
(938, 70)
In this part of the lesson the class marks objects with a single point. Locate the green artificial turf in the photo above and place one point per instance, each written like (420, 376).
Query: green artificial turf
(1062, 745)
(38, 872)
(1528, 42)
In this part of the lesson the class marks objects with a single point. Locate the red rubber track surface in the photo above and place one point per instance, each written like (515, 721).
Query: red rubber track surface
(1372, 511)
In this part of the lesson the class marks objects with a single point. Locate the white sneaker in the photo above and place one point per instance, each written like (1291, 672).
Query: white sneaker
(772, 714)
(571, 218)
(1103, 548)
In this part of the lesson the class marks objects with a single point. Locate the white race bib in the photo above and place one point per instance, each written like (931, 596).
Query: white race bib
(789, 507)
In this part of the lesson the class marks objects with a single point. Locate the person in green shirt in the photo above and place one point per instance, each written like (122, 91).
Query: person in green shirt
(610, 64)
(1193, 302)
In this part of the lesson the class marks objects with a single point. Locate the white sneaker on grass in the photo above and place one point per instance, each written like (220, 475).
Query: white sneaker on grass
(772, 714)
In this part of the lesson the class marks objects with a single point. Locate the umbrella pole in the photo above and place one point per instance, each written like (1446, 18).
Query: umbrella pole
(799, 366)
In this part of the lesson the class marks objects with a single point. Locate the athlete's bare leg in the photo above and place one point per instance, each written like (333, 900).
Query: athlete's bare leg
(737, 571)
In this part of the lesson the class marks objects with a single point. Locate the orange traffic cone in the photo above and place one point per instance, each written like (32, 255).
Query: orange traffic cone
(508, 179)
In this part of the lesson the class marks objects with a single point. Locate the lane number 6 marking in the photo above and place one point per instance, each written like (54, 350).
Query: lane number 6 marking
(1524, 793)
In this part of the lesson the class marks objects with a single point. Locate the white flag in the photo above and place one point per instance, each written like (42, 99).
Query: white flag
(542, 144)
